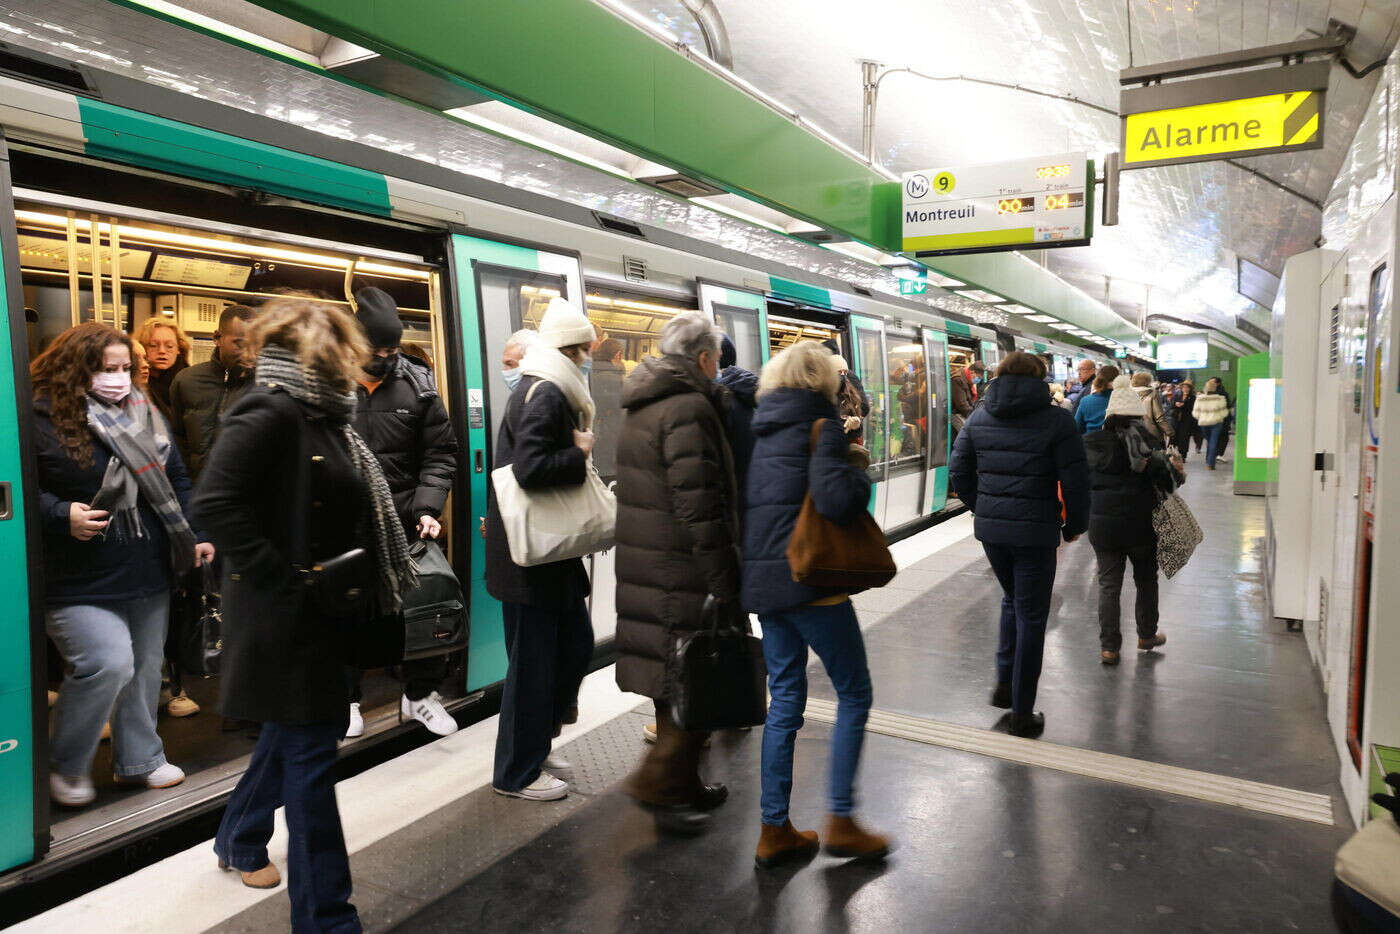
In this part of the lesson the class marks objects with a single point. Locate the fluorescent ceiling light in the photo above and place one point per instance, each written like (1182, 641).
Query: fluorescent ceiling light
(1061, 326)
(1015, 309)
(1081, 332)
(748, 212)
(944, 282)
(535, 131)
(233, 32)
(1042, 319)
(866, 254)
(980, 295)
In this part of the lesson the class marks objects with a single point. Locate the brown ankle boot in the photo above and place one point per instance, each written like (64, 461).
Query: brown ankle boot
(780, 843)
(848, 840)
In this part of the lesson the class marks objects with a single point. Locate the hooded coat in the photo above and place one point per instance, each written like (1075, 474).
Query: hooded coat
(404, 423)
(677, 516)
(738, 422)
(1013, 459)
(1127, 468)
(784, 470)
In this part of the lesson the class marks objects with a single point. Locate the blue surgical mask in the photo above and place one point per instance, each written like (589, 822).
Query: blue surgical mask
(586, 366)
(513, 376)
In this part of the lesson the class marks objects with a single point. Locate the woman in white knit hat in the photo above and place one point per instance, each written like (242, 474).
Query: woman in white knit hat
(1128, 465)
(545, 437)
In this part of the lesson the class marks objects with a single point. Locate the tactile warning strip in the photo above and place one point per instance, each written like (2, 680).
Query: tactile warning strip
(1205, 786)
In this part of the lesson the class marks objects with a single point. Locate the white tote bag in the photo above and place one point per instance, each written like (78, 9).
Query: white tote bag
(555, 523)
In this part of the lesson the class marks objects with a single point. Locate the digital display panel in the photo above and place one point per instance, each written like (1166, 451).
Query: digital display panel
(1070, 199)
(1262, 434)
(1182, 352)
(1015, 205)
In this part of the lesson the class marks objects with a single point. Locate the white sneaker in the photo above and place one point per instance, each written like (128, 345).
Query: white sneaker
(72, 791)
(167, 776)
(430, 712)
(544, 788)
(556, 764)
(357, 723)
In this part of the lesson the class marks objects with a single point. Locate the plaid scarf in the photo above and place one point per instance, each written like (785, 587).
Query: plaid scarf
(139, 445)
(279, 368)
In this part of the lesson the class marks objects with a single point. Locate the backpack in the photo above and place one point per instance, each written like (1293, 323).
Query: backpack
(434, 612)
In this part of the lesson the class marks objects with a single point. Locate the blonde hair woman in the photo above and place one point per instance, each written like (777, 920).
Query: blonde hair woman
(288, 485)
(167, 353)
(798, 388)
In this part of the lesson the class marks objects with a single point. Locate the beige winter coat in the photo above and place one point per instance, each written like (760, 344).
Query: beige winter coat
(1156, 421)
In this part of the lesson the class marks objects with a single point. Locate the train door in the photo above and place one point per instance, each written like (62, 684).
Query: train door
(743, 315)
(501, 288)
(1326, 501)
(868, 363)
(939, 436)
(906, 367)
(23, 719)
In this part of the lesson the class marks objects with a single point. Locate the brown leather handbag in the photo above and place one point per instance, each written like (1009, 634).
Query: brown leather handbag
(826, 554)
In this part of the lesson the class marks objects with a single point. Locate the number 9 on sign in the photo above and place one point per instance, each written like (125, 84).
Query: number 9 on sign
(944, 183)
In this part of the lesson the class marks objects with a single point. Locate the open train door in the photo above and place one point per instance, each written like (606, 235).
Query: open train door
(500, 288)
(24, 799)
(743, 315)
(940, 428)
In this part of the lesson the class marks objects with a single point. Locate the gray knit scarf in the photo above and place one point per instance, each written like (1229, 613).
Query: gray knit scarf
(279, 368)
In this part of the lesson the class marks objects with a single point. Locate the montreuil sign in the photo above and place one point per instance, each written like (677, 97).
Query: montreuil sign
(1252, 113)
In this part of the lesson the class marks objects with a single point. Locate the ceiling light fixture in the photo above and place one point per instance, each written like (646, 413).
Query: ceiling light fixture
(866, 254)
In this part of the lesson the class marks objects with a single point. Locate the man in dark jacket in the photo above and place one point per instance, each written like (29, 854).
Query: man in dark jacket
(677, 544)
(962, 393)
(605, 383)
(1086, 372)
(1014, 459)
(402, 419)
(738, 421)
(201, 394)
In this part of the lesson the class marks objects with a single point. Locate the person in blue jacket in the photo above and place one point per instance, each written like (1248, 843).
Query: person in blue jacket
(1014, 461)
(1089, 413)
(797, 389)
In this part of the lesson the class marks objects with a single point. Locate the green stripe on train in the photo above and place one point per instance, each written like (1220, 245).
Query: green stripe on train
(155, 142)
(799, 291)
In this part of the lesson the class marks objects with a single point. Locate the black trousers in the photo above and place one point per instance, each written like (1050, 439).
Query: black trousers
(548, 653)
(1111, 567)
(421, 677)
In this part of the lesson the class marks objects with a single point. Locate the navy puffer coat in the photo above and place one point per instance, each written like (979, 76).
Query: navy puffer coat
(782, 471)
(1010, 461)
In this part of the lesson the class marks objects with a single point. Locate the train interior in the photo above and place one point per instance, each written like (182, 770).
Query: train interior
(85, 261)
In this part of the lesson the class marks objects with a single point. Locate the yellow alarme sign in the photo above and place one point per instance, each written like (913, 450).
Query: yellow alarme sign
(1272, 122)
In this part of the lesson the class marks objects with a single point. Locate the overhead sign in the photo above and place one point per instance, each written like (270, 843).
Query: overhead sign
(1249, 114)
(1182, 351)
(913, 286)
(1027, 204)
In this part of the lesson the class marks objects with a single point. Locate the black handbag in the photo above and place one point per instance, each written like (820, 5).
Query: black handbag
(434, 612)
(202, 638)
(716, 678)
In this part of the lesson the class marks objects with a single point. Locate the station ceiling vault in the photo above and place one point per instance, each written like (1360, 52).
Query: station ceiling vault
(1182, 227)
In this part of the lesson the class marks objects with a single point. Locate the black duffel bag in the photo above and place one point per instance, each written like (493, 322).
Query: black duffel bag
(201, 637)
(434, 612)
(716, 678)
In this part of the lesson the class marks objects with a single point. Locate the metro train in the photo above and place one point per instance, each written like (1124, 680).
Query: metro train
(121, 200)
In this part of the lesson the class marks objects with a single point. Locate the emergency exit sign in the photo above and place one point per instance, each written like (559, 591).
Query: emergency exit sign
(913, 286)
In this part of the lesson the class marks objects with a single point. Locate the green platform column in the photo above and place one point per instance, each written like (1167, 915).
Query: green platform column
(1256, 425)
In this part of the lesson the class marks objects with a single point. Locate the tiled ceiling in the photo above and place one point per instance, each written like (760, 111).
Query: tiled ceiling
(1181, 228)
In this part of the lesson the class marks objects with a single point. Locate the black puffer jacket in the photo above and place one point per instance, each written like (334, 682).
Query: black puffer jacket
(1126, 468)
(738, 420)
(537, 441)
(1012, 459)
(404, 423)
(677, 519)
(199, 397)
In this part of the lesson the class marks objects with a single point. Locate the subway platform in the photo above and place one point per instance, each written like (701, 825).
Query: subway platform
(1193, 788)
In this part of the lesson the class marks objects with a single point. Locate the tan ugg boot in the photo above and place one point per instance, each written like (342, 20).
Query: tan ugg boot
(779, 844)
(848, 840)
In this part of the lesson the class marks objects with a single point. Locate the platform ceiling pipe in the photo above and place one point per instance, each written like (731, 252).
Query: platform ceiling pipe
(712, 30)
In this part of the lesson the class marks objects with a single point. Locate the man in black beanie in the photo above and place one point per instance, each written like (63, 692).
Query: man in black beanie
(401, 417)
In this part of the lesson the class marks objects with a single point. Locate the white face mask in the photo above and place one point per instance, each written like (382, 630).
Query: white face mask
(111, 387)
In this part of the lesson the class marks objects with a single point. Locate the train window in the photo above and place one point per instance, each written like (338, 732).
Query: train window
(741, 324)
(511, 299)
(937, 403)
(784, 332)
(870, 367)
(908, 382)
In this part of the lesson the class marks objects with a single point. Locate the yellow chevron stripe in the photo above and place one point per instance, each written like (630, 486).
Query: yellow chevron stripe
(1292, 102)
(1308, 131)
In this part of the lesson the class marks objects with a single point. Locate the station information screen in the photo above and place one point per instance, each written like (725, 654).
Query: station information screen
(1026, 204)
(1182, 352)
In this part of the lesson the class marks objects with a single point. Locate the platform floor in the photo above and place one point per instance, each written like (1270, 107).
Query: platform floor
(985, 842)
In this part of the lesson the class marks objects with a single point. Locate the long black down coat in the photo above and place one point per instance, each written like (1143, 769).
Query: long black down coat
(282, 660)
(677, 515)
(1012, 459)
(1120, 515)
(405, 424)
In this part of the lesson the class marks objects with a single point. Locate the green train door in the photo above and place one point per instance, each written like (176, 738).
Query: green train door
(743, 315)
(939, 419)
(500, 288)
(23, 719)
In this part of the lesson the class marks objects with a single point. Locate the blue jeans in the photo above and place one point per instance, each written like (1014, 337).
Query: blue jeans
(1027, 577)
(1213, 435)
(833, 633)
(293, 765)
(114, 653)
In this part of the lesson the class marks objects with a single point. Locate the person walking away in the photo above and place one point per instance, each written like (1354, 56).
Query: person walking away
(290, 482)
(1210, 411)
(167, 354)
(545, 438)
(400, 415)
(1088, 414)
(605, 382)
(1128, 467)
(1184, 404)
(797, 388)
(1155, 418)
(113, 501)
(677, 543)
(1013, 460)
(199, 397)
(963, 391)
(1086, 371)
(851, 403)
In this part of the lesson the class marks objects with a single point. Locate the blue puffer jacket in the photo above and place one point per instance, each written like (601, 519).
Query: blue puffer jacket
(1010, 458)
(780, 474)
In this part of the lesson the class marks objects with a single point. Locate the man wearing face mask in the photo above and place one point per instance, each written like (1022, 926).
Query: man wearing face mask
(401, 417)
